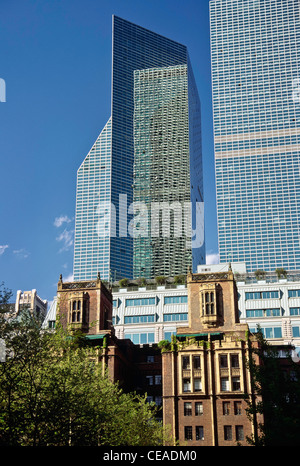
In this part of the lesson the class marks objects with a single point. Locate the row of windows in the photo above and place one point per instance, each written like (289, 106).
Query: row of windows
(262, 295)
(140, 319)
(151, 301)
(228, 433)
(264, 312)
(198, 408)
(269, 332)
(153, 379)
(140, 338)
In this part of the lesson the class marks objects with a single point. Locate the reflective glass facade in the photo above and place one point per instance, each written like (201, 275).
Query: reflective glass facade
(92, 222)
(256, 109)
(161, 171)
(138, 49)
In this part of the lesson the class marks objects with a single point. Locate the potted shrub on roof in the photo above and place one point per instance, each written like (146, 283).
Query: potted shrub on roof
(160, 280)
(280, 272)
(260, 274)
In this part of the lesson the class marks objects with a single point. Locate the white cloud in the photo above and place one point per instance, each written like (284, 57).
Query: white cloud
(62, 219)
(67, 238)
(69, 278)
(212, 258)
(21, 253)
(2, 248)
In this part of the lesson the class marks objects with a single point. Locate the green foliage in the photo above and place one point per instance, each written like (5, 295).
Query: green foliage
(164, 345)
(180, 279)
(260, 274)
(280, 272)
(124, 282)
(53, 393)
(141, 281)
(277, 397)
(160, 280)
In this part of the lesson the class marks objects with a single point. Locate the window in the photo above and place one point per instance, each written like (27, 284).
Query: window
(140, 302)
(182, 316)
(237, 408)
(236, 385)
(187, 409)
(139, 319)
(198, 408)
(186, 362)
(196, 362)
(226, 408)
(294, 293)
(158, 380)
(51, 324)
(149, 379)
(199, 433)
(197, 385)
(209, 303)
(234, 360)
(188, 433)
(140, 338)
(224, 384)
(187, 385)
(150, 358)
(158, 400)
(262, 295)
(239, 432)
(223, 361)
(227, 432)
(175, 299)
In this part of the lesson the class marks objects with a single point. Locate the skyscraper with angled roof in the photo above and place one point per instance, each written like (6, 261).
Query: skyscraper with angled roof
(115, 176)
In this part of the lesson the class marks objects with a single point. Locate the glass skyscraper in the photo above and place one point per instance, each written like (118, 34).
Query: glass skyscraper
(255, 46)
(105, 241)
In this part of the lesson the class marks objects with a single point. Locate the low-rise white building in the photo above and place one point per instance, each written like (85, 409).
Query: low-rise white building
(149, 314)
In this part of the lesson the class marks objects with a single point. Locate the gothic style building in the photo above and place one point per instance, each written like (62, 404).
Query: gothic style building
(204, 371)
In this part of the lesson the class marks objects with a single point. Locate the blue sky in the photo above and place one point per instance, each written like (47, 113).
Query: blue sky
(56, 64)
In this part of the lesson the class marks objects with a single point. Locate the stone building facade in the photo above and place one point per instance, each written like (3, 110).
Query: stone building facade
(204, 371)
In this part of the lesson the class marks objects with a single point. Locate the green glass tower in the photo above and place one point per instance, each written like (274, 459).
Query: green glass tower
(161, 171)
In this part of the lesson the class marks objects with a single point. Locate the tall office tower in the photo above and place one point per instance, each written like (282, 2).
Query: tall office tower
(112, 208)
(255, 46)
(92, 224)
(162, 164)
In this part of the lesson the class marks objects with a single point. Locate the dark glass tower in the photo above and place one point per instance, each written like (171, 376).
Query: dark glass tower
(136, 49)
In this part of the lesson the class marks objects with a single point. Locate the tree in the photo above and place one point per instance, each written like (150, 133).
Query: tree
(160, 280)
(180, 279)
(278, 389)
(53, 393)
(280, 272)
(260, 274)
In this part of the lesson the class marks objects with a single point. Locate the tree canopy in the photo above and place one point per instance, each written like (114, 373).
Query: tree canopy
(53, 392)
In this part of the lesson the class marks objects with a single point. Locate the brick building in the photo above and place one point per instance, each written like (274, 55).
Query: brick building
(204, 372)
(86, 306)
